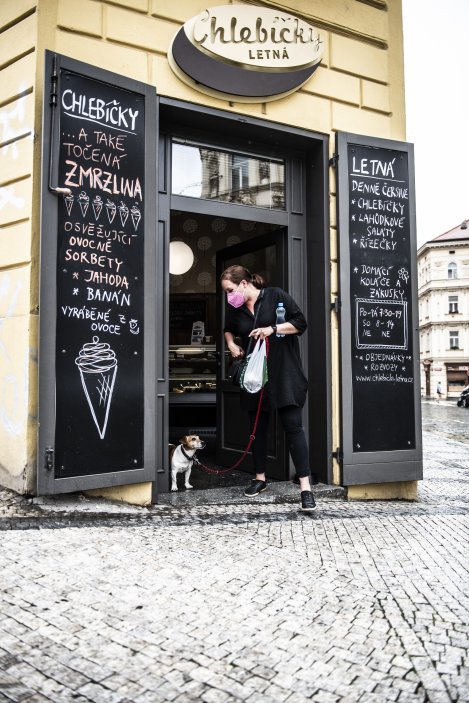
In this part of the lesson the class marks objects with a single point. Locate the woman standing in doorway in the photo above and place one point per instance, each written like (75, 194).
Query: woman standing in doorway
(287, 386)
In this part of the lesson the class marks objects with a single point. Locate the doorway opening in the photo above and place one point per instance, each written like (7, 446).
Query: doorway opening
(200, 391)
(220, 175)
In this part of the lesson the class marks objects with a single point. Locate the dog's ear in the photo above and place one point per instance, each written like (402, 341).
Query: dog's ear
(183, 440)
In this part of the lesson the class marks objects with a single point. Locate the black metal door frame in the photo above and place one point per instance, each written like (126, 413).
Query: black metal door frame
(307, 221)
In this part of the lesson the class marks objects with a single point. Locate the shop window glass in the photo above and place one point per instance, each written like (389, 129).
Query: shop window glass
(454, 340)
(452, 270)
(212, 174)
(240, 173)
(453, 304)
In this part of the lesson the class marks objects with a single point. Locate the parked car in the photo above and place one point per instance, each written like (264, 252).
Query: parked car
(463, 401)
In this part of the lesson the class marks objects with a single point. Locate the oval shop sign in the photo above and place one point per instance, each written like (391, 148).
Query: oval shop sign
(245, 53)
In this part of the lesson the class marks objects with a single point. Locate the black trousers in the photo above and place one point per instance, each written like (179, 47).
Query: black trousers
(291, 419)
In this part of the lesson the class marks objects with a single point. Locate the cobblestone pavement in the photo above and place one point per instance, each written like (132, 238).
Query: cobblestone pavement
(360, 602)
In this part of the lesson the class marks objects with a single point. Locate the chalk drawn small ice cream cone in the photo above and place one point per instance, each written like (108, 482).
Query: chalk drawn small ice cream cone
(69, 199)
(97, 364)
(136, 216)
(111, 210)
(97, 206)
(123, 212)
(84, 202)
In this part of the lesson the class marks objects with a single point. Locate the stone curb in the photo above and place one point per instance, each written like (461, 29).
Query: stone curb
(49, 515)
(63, 520)
(281, 492)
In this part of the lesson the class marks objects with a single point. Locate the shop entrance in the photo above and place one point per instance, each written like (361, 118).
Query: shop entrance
(236, 190)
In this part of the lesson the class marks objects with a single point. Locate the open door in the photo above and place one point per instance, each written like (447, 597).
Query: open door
(97, 329)
(266, 255)
(380, 374)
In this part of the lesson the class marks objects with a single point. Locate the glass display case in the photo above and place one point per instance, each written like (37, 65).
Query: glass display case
(192, 372)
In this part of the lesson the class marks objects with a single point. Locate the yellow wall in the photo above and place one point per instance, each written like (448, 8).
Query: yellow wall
(401, 490)
(358, 88)
(18, 219)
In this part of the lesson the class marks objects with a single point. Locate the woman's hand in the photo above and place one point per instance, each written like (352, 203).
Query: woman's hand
(262, 332)
(283, 329)
(235, 350)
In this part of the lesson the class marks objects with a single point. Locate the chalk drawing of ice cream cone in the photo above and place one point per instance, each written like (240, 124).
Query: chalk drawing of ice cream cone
(123, 212)
(97, 206)
(111, 210)
(84, 202)
(69, 202)
(136, 216)
(97, 364)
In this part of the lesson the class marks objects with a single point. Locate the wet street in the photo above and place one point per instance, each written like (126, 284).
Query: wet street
(363, 602)
(445, 419)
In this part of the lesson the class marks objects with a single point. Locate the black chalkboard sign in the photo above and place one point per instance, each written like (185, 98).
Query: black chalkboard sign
(380, 288)
(100, 264)
(184, 312)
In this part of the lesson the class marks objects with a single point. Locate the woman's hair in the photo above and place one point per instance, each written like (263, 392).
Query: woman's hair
(237, 273)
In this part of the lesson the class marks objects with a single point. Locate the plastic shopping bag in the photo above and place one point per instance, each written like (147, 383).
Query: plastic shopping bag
(255, 371)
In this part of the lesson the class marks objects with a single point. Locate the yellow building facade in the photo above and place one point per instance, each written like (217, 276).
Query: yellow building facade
(358, 88)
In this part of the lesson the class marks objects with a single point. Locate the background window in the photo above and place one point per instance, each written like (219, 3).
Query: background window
(454, 340)
(453, 303)
(452, 270)
(201, 172)
(240, 172)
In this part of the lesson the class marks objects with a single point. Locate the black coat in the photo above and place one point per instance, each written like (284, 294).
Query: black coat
(287, 384)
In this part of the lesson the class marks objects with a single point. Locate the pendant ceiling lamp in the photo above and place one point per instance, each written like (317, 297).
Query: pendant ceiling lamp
(181, 258)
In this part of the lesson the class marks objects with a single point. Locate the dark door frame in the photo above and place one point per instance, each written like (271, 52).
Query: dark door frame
(307, 177)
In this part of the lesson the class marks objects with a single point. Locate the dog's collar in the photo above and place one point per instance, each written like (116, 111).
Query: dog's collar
(189, 458)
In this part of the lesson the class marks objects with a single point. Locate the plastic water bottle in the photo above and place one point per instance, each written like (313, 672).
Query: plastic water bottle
(280, 317)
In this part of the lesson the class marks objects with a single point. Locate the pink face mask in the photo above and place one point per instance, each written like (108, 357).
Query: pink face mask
(235, 298)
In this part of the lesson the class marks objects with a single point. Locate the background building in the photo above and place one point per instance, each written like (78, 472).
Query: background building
(443, 275)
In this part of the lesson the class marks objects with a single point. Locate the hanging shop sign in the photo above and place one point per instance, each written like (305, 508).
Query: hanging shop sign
(247, 54)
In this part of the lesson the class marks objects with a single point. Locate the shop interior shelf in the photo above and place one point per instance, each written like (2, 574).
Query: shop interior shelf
(191, 398)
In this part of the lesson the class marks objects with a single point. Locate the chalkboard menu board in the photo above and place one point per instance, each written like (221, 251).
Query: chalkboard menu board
(100, 264)
(183, 313)
(381, 315)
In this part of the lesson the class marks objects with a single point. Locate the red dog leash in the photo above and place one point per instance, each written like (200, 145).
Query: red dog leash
(211, 470)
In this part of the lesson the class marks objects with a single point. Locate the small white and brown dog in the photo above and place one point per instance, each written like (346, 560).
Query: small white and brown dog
(182, 458)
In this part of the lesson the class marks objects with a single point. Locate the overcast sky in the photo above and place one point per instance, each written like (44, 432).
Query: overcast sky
(436, 39)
